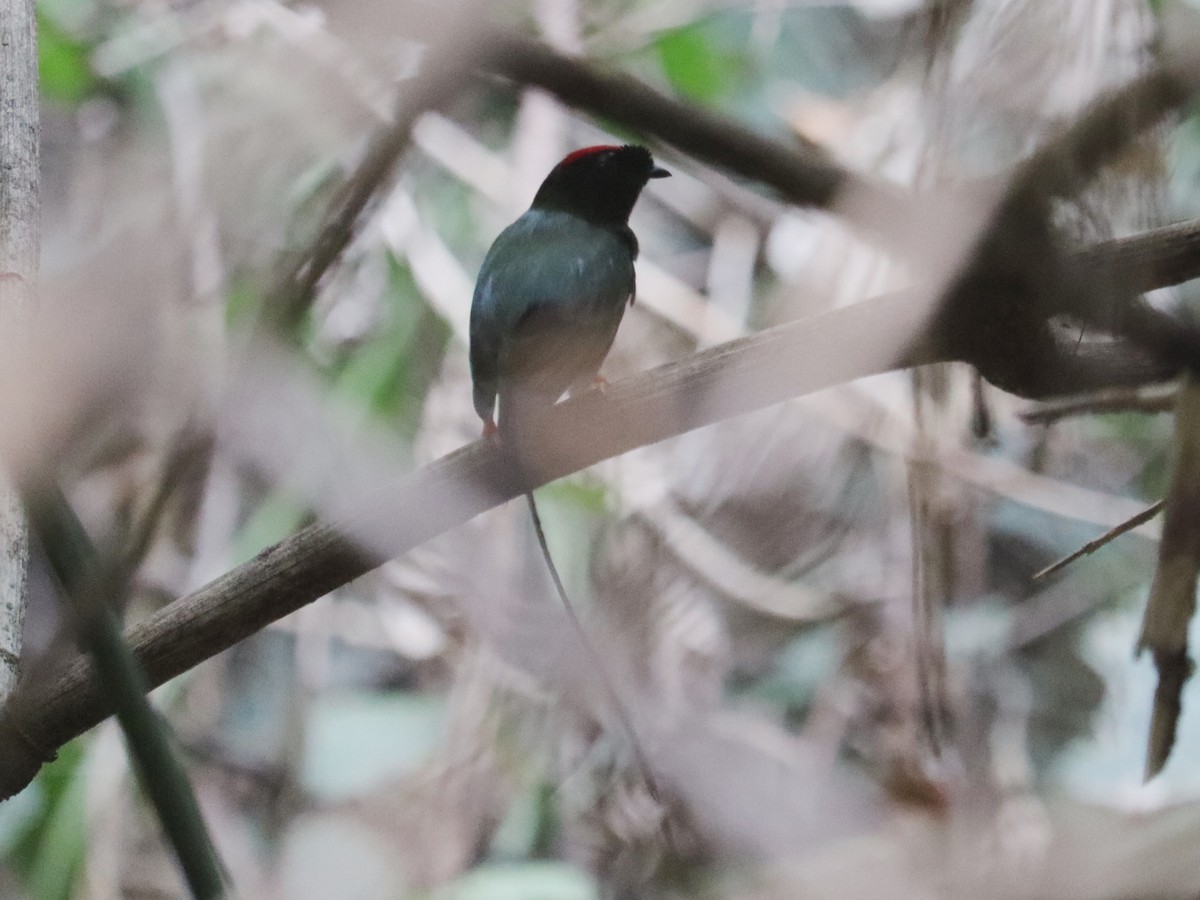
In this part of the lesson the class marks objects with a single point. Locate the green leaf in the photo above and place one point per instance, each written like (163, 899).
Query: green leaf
(50, 854)
(694, 66)
(63, 65)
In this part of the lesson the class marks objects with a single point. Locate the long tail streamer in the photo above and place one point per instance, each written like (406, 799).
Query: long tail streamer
(594, 654)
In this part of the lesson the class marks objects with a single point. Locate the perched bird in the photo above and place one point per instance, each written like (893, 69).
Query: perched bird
(550, 295)
(554, 285)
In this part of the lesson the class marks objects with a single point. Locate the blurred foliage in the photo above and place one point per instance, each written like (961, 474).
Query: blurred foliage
(388, 375)
(737, 59)
(698, 69)
(45, 832)
(354, 743)
(795, 677)
(64, 68)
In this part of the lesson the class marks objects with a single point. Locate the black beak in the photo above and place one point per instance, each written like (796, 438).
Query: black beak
(657, 172)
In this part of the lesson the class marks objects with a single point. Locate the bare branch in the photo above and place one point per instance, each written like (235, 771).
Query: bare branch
(802, 173)
(1168, 255)
(1108, 537)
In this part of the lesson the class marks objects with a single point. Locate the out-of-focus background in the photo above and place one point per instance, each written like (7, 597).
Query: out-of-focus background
(820, 618)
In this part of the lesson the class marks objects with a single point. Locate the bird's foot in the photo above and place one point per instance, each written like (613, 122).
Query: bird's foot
(491, 433)
(600, 383)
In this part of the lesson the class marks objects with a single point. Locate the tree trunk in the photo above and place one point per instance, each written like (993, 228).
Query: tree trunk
(19, 251)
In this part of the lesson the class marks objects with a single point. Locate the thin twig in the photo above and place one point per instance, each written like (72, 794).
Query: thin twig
(187, 451)
(1092, 546)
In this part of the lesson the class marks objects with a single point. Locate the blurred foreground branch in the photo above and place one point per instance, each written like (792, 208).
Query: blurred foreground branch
(90, 581)
(1016, 277)
(804, 175)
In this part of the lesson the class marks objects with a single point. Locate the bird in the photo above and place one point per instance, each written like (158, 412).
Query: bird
(554, 286)
(550, 295)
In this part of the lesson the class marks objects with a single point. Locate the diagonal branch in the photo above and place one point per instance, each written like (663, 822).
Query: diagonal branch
(802, 173)
(1158, 399)
(724, 381)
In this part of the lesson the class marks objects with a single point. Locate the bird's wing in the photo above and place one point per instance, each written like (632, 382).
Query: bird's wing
(551, 294)
(485, 350)
(558, 261)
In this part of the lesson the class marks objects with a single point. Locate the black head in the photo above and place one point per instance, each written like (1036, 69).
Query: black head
(600, 184)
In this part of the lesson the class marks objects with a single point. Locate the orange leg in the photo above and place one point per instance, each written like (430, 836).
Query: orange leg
(600, 383)
(491, 433)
